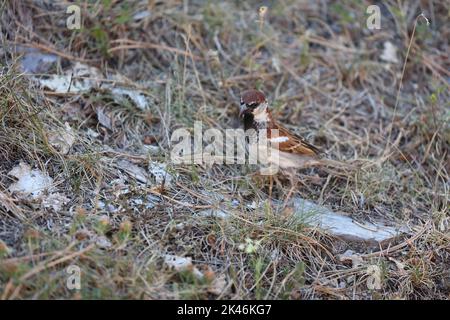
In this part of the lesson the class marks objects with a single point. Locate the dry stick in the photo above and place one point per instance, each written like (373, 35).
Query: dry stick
(309, 240)
(54, 51)
(26, 258)
(262, 13)
(193, 193)
(184, 204)
(432, 66)
(274, 278)
(328, 290)
(401, 80)
(329, 44)
(183, 81)
(165, 116)
(197, 77)
(146, 45)
(261, 276)
(10, 206)
(283, 282)
(399, 246)
(250, 76)
(435, 65)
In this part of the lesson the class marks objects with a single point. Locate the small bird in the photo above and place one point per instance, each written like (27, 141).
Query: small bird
(288, 151)
(293, 150)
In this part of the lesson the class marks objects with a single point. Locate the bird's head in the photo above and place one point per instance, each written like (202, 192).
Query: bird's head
(253, 105)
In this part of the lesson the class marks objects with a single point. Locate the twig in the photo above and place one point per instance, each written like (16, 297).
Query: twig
(401, 78)
(147, 45)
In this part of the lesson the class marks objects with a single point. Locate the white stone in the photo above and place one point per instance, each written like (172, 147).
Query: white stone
(342, 226)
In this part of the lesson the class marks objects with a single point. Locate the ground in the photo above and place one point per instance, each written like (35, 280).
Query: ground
(115, 210)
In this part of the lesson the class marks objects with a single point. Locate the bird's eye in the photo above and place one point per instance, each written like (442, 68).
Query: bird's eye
(252, 105)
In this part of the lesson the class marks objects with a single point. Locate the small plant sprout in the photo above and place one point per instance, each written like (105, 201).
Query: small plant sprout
(262, 14)
(103, 224)
(250, 246)
(124, 231)
(4, 250)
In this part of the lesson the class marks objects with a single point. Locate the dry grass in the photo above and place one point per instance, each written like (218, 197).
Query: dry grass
(321, 68)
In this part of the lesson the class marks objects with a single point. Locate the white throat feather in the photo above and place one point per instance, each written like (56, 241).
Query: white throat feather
(260, 113)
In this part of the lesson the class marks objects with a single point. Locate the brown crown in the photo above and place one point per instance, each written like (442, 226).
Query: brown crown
(252, 96)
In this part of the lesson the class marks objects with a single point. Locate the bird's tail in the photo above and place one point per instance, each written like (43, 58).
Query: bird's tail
(337, 167)
(336, 163)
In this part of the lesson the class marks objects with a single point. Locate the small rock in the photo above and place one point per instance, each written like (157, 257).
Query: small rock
(56, 201)
(214, 213)
(100, 205)
(133, 170)
(33, 182)
(151, 149)
(342, 226)
(103, 242)
(159, 173)
(389, 53)
(181, 264)
(35, 61)
(141, 15)
(137, 201)
(235, 203)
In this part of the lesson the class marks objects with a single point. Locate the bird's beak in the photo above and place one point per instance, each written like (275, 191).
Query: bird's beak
(242, 110)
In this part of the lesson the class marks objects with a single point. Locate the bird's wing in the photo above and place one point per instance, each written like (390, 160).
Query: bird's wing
(293, 143)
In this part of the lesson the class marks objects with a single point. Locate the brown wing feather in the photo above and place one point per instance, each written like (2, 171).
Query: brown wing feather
(296, 144)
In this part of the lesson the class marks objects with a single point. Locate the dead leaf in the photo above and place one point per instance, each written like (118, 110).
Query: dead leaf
(400, 266)
(80, 78)
(218, 285)
(350, 256)
(62, 139)
(138, 98)
(133, 170)
(55, 201)
(103, 118)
